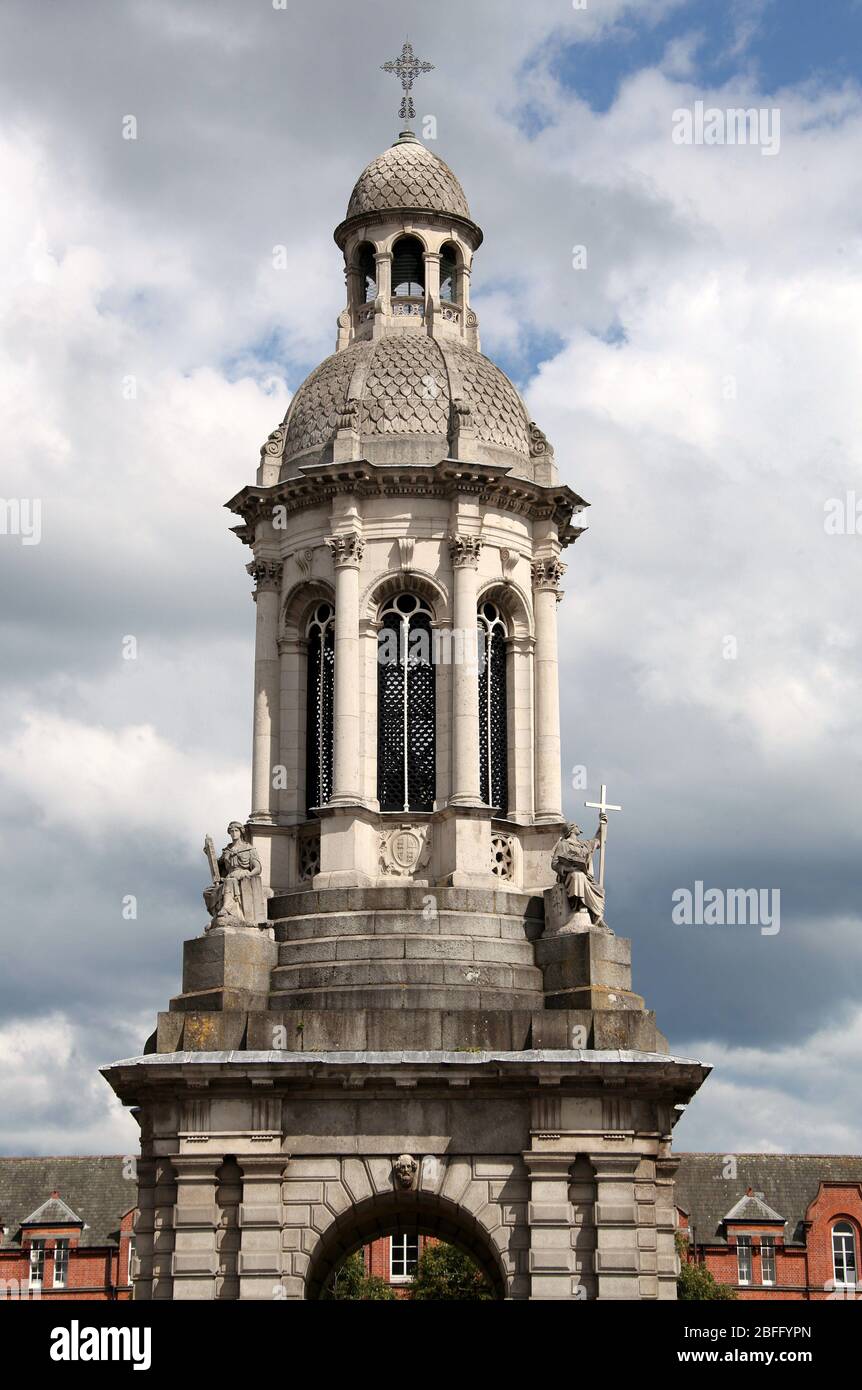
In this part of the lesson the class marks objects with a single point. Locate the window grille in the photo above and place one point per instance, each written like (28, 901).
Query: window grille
(493, 714)
(406, 707)
(320, 688)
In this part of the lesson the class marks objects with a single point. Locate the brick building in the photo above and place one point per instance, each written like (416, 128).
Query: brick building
(66, 1228)
(775, 1226)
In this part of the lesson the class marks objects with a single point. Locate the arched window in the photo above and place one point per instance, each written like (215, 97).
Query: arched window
(449, 287)
(319, 702)
(408, 267)
(493, 719)
(366, 261)
(843, 1253)
(406, 706)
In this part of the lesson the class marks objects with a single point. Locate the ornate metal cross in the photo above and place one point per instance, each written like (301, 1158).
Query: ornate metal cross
(408, 67)
(602, 806)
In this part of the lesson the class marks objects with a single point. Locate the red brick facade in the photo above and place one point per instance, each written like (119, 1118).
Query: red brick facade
(818, 1258)
(93, 1272)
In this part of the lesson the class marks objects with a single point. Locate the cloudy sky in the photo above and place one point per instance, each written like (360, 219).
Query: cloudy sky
(699, 377)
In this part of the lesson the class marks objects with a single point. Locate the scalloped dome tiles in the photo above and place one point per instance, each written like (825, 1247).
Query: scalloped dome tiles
(403, 385)
(407, 175)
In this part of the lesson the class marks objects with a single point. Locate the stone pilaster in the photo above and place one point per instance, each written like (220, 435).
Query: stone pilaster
(617, 1248)
(550, 1218)
(347, 551)
(267, 576)
(465, 552)
(260, 1222)
(154, 1230)
(547, 574)
(196, 1222)
(667, 1260)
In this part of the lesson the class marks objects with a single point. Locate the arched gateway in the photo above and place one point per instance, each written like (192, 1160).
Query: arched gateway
(395, 1016)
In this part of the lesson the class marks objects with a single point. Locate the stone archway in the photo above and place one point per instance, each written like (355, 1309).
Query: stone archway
(424, 1212)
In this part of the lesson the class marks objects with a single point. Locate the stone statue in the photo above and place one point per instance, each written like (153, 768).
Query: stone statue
(405, 1168)
(236, 896)
(572, 862)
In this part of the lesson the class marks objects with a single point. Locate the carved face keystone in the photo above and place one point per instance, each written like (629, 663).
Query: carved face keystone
(405, 1169)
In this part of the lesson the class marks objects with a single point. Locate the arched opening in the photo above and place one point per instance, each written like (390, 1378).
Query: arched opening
(493, 709)
(844, 1264)
(406, 706)
(408, 268)
(395, 1214)
(450, 277)
(366, 264)
(320, 690)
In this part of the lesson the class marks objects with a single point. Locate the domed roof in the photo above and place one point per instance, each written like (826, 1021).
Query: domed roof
(407, 175)
(403, 384)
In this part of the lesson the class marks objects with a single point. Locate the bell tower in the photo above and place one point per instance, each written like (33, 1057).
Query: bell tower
(408, 496)
(394, 1019)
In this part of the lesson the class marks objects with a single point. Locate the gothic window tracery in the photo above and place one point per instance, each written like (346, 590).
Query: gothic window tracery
(493, 711)
(320, 689)
(406, 707)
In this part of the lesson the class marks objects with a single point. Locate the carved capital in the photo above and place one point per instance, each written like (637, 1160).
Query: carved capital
(266, 575)
(347, 550)
(465, 551)
(548, 573)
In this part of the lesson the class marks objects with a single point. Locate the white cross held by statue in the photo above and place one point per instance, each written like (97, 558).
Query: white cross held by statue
(602, 807)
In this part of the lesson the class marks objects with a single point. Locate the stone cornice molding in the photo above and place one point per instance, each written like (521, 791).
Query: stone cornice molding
(489, 485)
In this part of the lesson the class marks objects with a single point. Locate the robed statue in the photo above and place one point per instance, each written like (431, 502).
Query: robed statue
(236, 896)
(572, 862)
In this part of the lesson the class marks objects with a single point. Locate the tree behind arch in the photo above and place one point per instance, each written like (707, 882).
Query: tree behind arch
(446, 1273)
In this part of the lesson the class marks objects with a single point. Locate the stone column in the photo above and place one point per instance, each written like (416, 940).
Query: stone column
(519, 678)
(383, 302)
(617, 1250)
(551, 1221)
(465, 552)
(292, 651)
(196, 1223)
(347, 551)
(547, 574)
(260, 1223)
(267, 577)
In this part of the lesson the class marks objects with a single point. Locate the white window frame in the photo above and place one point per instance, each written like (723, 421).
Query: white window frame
(842, 1231)
(767, 1255)
(743, 1243)
(37, 1263)
(130, 1260)
(61, 1264)
(403, 1259)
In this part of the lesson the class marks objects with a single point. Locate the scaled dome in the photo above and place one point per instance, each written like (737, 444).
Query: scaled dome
(403, 385)
(407, 175)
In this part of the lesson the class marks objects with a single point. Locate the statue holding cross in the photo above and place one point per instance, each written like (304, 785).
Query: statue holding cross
(572, 862)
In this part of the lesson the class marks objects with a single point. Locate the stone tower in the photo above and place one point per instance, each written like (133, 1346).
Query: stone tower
(414, 1037)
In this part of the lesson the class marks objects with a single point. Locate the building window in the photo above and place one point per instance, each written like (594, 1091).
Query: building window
(366, 262)
(743, 1259)
(844, 1253)
(406, 707)
(130, 1268)
(61, 1264)
(493, 731)
(320, 688)
(403, 1256)
(449, 274)
(37, 1263)
(767, 1259)
(408, 268)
